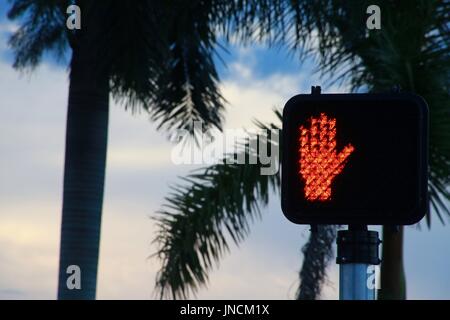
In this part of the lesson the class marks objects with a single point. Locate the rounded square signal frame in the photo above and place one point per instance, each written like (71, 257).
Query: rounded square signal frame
(384, 179)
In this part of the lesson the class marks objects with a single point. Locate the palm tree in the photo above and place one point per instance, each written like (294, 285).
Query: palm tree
(155, 55)
(411, 51)
(152, 54)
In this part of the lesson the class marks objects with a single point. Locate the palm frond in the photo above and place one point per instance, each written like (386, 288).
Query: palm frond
(42, 29)
(216, 205)
(188, 88)
(132, 45)
(162, 59)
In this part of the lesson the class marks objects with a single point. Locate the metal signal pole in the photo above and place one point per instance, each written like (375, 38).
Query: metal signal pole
(357, 250)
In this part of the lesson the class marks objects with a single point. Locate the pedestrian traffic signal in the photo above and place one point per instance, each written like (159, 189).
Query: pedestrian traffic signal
(355, 159)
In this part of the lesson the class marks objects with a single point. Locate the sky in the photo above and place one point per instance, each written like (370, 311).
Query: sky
(139, 174)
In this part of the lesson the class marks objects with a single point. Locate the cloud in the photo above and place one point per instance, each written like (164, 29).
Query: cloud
(254, 95)
(29, 241)
(8, 27)
(6, 30)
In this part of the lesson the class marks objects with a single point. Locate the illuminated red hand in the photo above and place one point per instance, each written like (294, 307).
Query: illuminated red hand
(319, 161)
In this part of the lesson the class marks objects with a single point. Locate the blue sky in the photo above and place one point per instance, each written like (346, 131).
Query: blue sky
(139, 172)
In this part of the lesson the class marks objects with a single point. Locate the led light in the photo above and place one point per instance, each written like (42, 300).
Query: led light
(319, 162)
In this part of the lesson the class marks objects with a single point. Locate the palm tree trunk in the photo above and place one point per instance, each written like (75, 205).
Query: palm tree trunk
(393, 282)
(84, 173)
(317, 254)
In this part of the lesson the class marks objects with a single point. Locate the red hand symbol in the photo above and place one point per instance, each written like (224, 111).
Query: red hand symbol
(319, 162)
